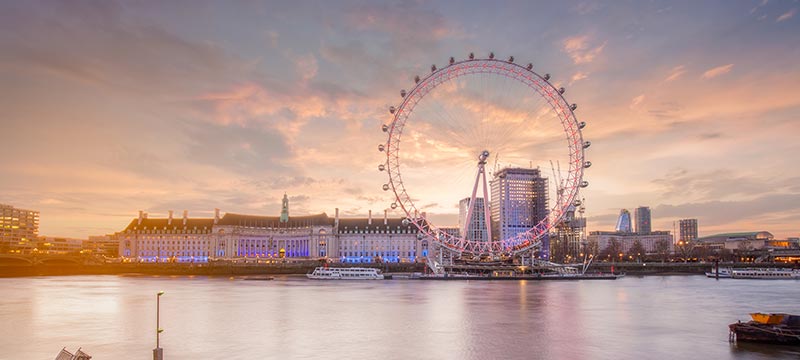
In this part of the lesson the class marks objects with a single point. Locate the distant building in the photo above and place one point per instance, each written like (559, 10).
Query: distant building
(643, 223)
(687, 229)
(255, 237)
(650, 242)
(59, 245)
(107, 245)
(519, 202)
(19, 229)
(168, 240)
(754, 240)
(624, 222)
(565, 239)
(475, 227)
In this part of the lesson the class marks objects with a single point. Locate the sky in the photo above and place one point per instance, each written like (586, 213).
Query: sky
(107, 107)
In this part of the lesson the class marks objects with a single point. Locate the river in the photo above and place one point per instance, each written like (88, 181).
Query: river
(655, 317)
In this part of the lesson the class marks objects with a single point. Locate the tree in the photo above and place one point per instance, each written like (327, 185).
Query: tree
(636, 251)
(662, 249)
(610, 252)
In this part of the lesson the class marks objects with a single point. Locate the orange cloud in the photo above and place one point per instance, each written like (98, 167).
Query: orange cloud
(717, 71)
(675, 73)
(579, 49)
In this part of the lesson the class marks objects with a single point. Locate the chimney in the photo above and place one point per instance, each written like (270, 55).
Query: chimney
(145, 216)
(185, 217)
(169, 221)
(141, 217)
(370, 218)
(336, 221)
(385, 217)
(216, 216)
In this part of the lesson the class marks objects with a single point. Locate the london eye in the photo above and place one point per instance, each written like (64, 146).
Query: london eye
(462, 123)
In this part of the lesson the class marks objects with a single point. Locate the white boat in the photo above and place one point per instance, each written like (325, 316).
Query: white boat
(351, 273)
(766, 274)
(724, 273)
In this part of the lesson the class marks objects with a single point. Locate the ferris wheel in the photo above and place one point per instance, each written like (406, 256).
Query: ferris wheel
(475, 116)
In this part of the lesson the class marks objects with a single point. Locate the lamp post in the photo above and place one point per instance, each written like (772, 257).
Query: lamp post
(158, 352)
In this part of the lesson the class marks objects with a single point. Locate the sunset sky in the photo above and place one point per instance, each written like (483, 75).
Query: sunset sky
(107, 108)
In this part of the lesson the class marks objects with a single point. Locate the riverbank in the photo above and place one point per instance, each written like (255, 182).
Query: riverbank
(303, 267)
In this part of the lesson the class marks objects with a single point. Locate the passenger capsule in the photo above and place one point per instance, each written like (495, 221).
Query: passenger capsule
(529, 67)
(385, 187)
(416, 79)
(561, 90)
(381, 167)
(582, 125)
(587, 164)
(584, 184)
(546, 77)
(406, 222)
(403, 93)
(394, 206)
(381, 147)
(420, 236)
(577, 203)
(471, 56)
(573, 107)
(452, 60)
(433, 67)
(511, 59)
(392, 109)
(586, 144)
(385, 128)
(491, 55)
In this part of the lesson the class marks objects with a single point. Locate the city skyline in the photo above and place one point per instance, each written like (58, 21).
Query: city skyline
(111, 108)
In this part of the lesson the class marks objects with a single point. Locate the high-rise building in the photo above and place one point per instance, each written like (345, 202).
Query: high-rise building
(624, 222)
(519, 202)
(688, 229)
(643, 224)
(565, 240)
(19, 229)
(474, 228)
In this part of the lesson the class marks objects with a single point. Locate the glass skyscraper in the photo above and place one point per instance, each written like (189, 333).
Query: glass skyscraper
(519, 202)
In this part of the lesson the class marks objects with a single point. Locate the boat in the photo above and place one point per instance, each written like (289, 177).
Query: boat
(724, 273)
(781, 329)
(766, 274)
(349, 273)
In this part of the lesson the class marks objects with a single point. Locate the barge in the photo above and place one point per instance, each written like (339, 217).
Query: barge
(783, 329)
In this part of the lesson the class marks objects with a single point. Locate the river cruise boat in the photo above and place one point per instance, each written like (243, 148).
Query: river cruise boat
(353, 273)
(724, 273)
(766, 274)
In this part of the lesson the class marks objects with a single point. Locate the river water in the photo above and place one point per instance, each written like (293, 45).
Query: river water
(657, 317)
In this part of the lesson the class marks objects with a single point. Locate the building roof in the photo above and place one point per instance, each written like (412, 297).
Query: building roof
(377, 224)
(274, 221)
(162, 223)
(737, 235)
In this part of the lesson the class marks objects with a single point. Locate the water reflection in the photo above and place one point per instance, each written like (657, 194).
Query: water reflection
(291, 317)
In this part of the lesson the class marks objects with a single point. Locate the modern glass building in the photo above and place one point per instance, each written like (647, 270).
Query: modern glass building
(624, 222)
(519, 202)
(643, 224)
(474, 228)
(688, 229)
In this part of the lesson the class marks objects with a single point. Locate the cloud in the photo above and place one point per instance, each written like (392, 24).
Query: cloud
(580, 50)
(675, 73)
(636, 101)
(761, 4)
(717, 71)
(578, 76)
(786, 16)
(306, 66)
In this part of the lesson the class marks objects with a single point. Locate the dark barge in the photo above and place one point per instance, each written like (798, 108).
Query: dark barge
(783, 329)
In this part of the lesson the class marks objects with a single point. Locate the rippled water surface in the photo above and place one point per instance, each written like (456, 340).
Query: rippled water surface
(113, 317)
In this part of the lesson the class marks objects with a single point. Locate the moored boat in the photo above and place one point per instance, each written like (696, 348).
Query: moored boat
(767, 328)
(353, 273)
(722, 273)
(765, 274)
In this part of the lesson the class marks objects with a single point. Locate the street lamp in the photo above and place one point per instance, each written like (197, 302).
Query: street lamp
(158, 352)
